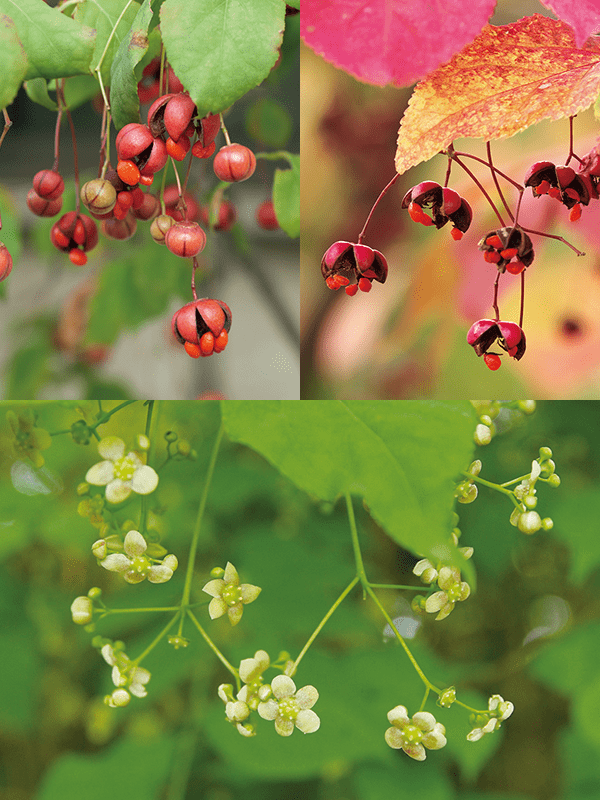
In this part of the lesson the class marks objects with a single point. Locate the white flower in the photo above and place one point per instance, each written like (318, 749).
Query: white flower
(82, 610)
(120, 473)
(289, 707)
(498, 710)
(229, 596)
(126, 676)
(135, 566)
(416, 734)
(452, 591)
(425, 570)
(236, 711)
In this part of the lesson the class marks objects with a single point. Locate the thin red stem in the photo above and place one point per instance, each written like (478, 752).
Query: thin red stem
(194, 268)
(7, 125)
(480, 186)
(571, 153)
(361, 235)
(522, 299)
(497, 184)
(57, 129)
(75, 159)
(495, 303)
(553, 236)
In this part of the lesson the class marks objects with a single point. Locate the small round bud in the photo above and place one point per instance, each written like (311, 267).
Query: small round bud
(178, 641)
(468, 494)
(545, 452)
(183, 447)
(475, 468)
(529, 522)
(94, 593)
(485, 419)
(483, 435)
(81, 610)
(217, 572)
(554, 480)
(171, 436)
(547, 524)
(527, 406)
(548, 467)
(447, 697)
(143, 442)
(99, 549)
(530, 501)
(83, 488)
(171, 562)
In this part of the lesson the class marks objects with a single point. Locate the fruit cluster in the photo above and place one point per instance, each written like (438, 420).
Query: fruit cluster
(119, 197)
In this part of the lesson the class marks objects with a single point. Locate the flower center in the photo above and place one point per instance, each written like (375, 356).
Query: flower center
(412, 734)
(289, 708)
(124, 468)
(139, 565)
(232, 594)
(454, 592)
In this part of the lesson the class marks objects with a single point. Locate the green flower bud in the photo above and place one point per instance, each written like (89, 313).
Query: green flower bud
(545, 452)
(483, 435)
(171, 436)
(183, 447)
(94, 593)
(547, 523)
(554, 480)
(82, 610)
(527, 406)
(529, 522)
(83, 488)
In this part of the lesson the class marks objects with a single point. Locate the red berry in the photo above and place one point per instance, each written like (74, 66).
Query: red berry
(492, 256)
(234, 163)
(265, 216)
(192, 349)
(542, 188)
(456, 234)
(137, 197)
(41, 206)
(146, 179)
(515, 267)
(120, 228)
(179, 149)
(6, 262)
(575, 213)
(185, 239)
(494, 241)
(128, 172)
(48, 184)
(78, 257)
(351, 290)
(509, 253)
(221, 341)
(418, 215)
(493, 361)
(125, 199)
(200, 151)
(207, 344)
(364, 284)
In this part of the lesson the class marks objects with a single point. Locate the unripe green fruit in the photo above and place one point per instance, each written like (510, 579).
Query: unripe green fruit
(99, 196)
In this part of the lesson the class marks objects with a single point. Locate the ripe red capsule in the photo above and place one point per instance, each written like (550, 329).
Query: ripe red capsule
(48, 184)
(234, 163)
(202, 326)
(6, 262)
(185, 239)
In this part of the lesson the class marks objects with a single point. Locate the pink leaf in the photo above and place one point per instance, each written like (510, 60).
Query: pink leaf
(391, 41)
(583, 16)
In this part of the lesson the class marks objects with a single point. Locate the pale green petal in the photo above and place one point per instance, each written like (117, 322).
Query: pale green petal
(81, 610)
(217, 607)
(284, 727)
(215, 587)
(111, 447)
(435, 601)
(145, 480)
(424, 720)
(159, 574)
(116, 562)
(249, 592)
(231, 574)
(117, 491)
(268, 710)
(307, 696)
(235, 613)
(416, 751)
(138, 690)
(307, 721)
(398, 716)
(283, 686)
(133, 576)
(394, 737)
(100, 474)
(108, 654)
(135, 544)
(436, 739)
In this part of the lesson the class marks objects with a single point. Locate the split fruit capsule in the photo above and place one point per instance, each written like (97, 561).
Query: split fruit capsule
(202, 327)
(484, 333)
(345, 260)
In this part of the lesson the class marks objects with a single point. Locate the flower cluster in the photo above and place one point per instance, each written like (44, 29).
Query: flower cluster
(523, 516)
(126, 676)
(278, 701)
(228, 596)
(26, 439)
(451, 588)
(466, 491)
(416, 734)
(135, 563)
(488, 722)
(120, 473)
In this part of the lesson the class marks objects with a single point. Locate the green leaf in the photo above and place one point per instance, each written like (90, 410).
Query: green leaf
(286, 197)
(79, 89)
(402, 457)
(586, 711)
(269, 123)
(37, 90)
(56, 46)
(124, 101)
(28, 371)
(131, 767)
(578, 649)
(103, 15)
(379, 782)
(572, 517)
(14, 61)
(239, 40)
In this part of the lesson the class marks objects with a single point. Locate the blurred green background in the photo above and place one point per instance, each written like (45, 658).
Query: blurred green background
(529, 633)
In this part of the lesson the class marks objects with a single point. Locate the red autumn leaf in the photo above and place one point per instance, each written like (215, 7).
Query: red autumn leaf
(390, 41)
(509, 78)
(583, 16)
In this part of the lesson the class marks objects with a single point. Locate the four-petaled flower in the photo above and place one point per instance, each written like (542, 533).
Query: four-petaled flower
(120, 473)
(135, 566)
(452, 591)
(229, 596)
(499, 709)
(416, 734)
(289, 707)
(126, 676)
